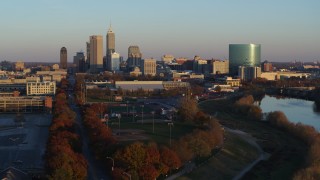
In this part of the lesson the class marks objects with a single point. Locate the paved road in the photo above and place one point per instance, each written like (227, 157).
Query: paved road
(95, 170)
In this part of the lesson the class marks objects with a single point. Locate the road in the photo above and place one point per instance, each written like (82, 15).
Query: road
(95, 169)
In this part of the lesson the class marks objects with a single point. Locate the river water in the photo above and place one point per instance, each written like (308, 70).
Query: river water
(296, 110)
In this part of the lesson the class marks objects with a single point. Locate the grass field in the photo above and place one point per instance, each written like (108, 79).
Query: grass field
(287, 153)
(233, 157)
(161, 133)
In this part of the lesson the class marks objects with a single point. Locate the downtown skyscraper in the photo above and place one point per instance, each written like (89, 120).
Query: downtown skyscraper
(111, 44)
(110, 48)
(63, 58)
(96, 53)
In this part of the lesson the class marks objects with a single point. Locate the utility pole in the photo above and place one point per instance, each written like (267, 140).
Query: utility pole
(152, 121)
(170, 125)
(142, 113)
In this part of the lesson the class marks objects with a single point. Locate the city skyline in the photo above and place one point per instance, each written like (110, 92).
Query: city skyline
(34, 31)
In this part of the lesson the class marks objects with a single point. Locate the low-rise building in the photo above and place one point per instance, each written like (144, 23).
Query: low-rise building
(41, 88)
(273, 76)
(25, 104)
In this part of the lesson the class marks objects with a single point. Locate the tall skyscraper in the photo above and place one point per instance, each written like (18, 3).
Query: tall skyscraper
(63, 58)
(134, 56)
(114, 63)
(96, 53)
(88, 51)
(243, 55)
(111, 44)
(79, 61)
(149, 67)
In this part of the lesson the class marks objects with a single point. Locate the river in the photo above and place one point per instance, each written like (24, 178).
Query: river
(296, 110)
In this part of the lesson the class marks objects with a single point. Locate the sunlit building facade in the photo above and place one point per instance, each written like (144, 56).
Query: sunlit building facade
(248, 55)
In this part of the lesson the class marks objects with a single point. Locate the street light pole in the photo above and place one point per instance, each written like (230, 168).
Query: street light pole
(152, 121)
(127, 109)
(112, 162)
(133, 113)
(170, 124)
(142, 113)
(119, 117)
(129, 175)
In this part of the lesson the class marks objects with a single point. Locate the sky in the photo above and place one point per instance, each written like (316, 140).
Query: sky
(35, 30)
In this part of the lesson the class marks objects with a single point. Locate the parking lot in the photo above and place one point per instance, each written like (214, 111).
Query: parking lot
(22, 144)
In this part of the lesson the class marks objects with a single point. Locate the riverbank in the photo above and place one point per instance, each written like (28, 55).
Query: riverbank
(286, 152)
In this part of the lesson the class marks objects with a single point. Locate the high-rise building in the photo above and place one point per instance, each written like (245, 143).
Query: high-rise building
(78, 61)
(114, 62)
(220, 67)
(111, 45)
(134, 56)
(266, 66)
(63, 58)
(200, 66)
(88, 51)
(243, 55)
(149, 67)
(96, 53)
(247, 73)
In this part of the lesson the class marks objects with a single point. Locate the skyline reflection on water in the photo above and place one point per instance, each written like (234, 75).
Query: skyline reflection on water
(296, 110)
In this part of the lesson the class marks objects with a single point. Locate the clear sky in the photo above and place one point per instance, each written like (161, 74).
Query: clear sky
(35, 30)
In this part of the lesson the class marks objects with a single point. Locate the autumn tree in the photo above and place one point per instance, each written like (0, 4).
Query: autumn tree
(188, 109)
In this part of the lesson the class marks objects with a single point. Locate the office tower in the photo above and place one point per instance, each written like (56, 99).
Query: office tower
(243, 55)
(134, 56)
(266, 66)
(249, 73)
(96, 53)
(78, 61)
(111, 45)
(200, 66)
(114, 62)
(220, 67)
(149, 67)
(19, 66)
(88, 51)
(63, 58)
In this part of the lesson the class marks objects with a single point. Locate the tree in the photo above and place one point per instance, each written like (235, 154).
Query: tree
(188, 109)
(170, 158)
(99, 108)
(255, 113)
(133, 156)
(217, 88)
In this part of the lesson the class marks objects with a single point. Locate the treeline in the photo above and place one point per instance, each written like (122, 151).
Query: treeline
(246, 107)
(307, 134)
(290, 82)
(201, 142)
(100, 136)
(63, 153)
(145, 161)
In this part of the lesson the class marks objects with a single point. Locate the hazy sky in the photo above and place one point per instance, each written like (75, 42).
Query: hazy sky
(35, 30)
